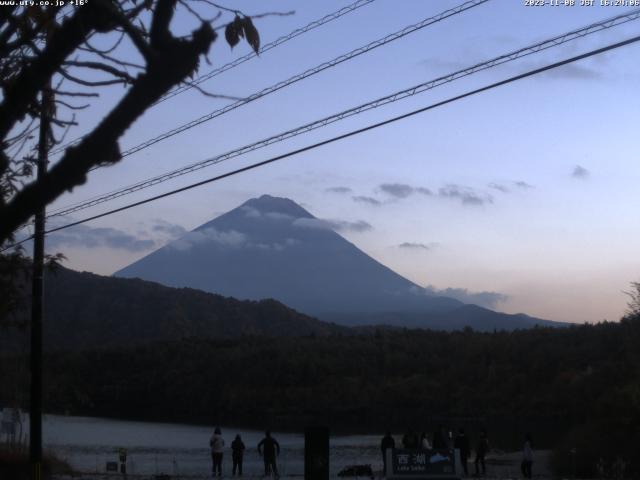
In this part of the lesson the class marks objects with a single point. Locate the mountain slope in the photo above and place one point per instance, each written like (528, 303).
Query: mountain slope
(272, 248)
(84, 311)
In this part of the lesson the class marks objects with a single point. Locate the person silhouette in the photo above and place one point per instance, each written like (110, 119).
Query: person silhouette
(237, 454)
(410, 439)
(482, 448)
(269, 449)
(217, 450)
(387, 443)
(439, 439)
(462, 444)
(424, 441)
(527, 456)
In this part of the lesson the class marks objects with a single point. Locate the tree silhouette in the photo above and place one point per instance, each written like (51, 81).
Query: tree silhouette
(633, 305)
(50, 53)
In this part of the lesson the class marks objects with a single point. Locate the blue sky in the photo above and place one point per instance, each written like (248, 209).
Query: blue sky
(533, 185)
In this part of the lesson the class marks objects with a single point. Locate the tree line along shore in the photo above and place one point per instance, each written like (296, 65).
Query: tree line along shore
(572, 388)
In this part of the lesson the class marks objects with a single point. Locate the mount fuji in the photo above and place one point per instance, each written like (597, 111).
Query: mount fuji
(271, 247)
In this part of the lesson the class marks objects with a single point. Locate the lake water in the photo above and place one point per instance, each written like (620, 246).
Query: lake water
(155, 448)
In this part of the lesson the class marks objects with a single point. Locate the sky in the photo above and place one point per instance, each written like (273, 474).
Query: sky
(527, 192)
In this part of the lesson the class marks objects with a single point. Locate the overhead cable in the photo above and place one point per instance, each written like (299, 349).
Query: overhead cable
(425, 86)
(240, 60)
(306, 74)
(352, 133)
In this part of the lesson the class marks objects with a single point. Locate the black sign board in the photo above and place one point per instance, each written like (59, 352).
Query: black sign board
(423, 463)
(316, 453)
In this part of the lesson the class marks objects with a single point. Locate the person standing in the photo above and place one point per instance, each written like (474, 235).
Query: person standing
(527, 456)
(237, 453)
(482, 448)
(387, 443)
(8, 426)
(217, 449)
(410, 440)
(439, 442)
(269, 449)
(424, 441)
(461, 443)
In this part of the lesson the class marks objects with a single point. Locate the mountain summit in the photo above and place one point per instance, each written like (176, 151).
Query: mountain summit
(271, 247)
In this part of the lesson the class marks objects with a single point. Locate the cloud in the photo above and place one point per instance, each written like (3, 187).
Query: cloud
(398, 190)
(402, 190)
(152, 235)
(276, 246)
(358, 226)
(506, 187)
(278, 216)
(228, 239)
(574, 71)
(580, 172)
(250, 212)
(500, 187)
(523, 185)
(473, 52)
(341, 190)
(466, 195)
(90, 237)
(167, 229)
(368, 200)
(417, 246)
(483, 299)
(312, 223)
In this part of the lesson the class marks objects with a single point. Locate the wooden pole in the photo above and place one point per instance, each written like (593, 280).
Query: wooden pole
(37, 293)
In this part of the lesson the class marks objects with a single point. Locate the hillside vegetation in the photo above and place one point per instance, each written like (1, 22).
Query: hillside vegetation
(563, 385)
(84, 310)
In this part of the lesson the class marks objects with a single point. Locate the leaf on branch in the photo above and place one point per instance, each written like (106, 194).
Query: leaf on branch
(234, 31)
(251, 34)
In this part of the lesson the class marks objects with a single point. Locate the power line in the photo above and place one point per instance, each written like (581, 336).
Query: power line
(273, 88)
(306, 74)
(514, 55)
(352, 133)
(269, 46)
(240, 60)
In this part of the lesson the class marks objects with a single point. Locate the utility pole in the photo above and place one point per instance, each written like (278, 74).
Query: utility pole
(37, 291)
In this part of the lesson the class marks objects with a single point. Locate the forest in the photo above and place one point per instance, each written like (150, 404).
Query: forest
(572, 388)
(84, 311)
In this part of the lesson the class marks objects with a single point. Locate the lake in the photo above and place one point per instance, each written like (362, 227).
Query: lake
(154, 448)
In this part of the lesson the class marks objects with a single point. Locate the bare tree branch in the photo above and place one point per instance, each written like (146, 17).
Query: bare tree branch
(171, 62)
(103, 67)
(136, 36)
(75, 94)
(90, 83)
(49, 50)
(62, 42)
(108, 50)
(70, 106)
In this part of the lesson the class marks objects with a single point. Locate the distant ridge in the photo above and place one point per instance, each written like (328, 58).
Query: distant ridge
(87, 311)
(271, 247)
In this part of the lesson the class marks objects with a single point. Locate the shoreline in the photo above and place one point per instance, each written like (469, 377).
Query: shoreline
(505, 466)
